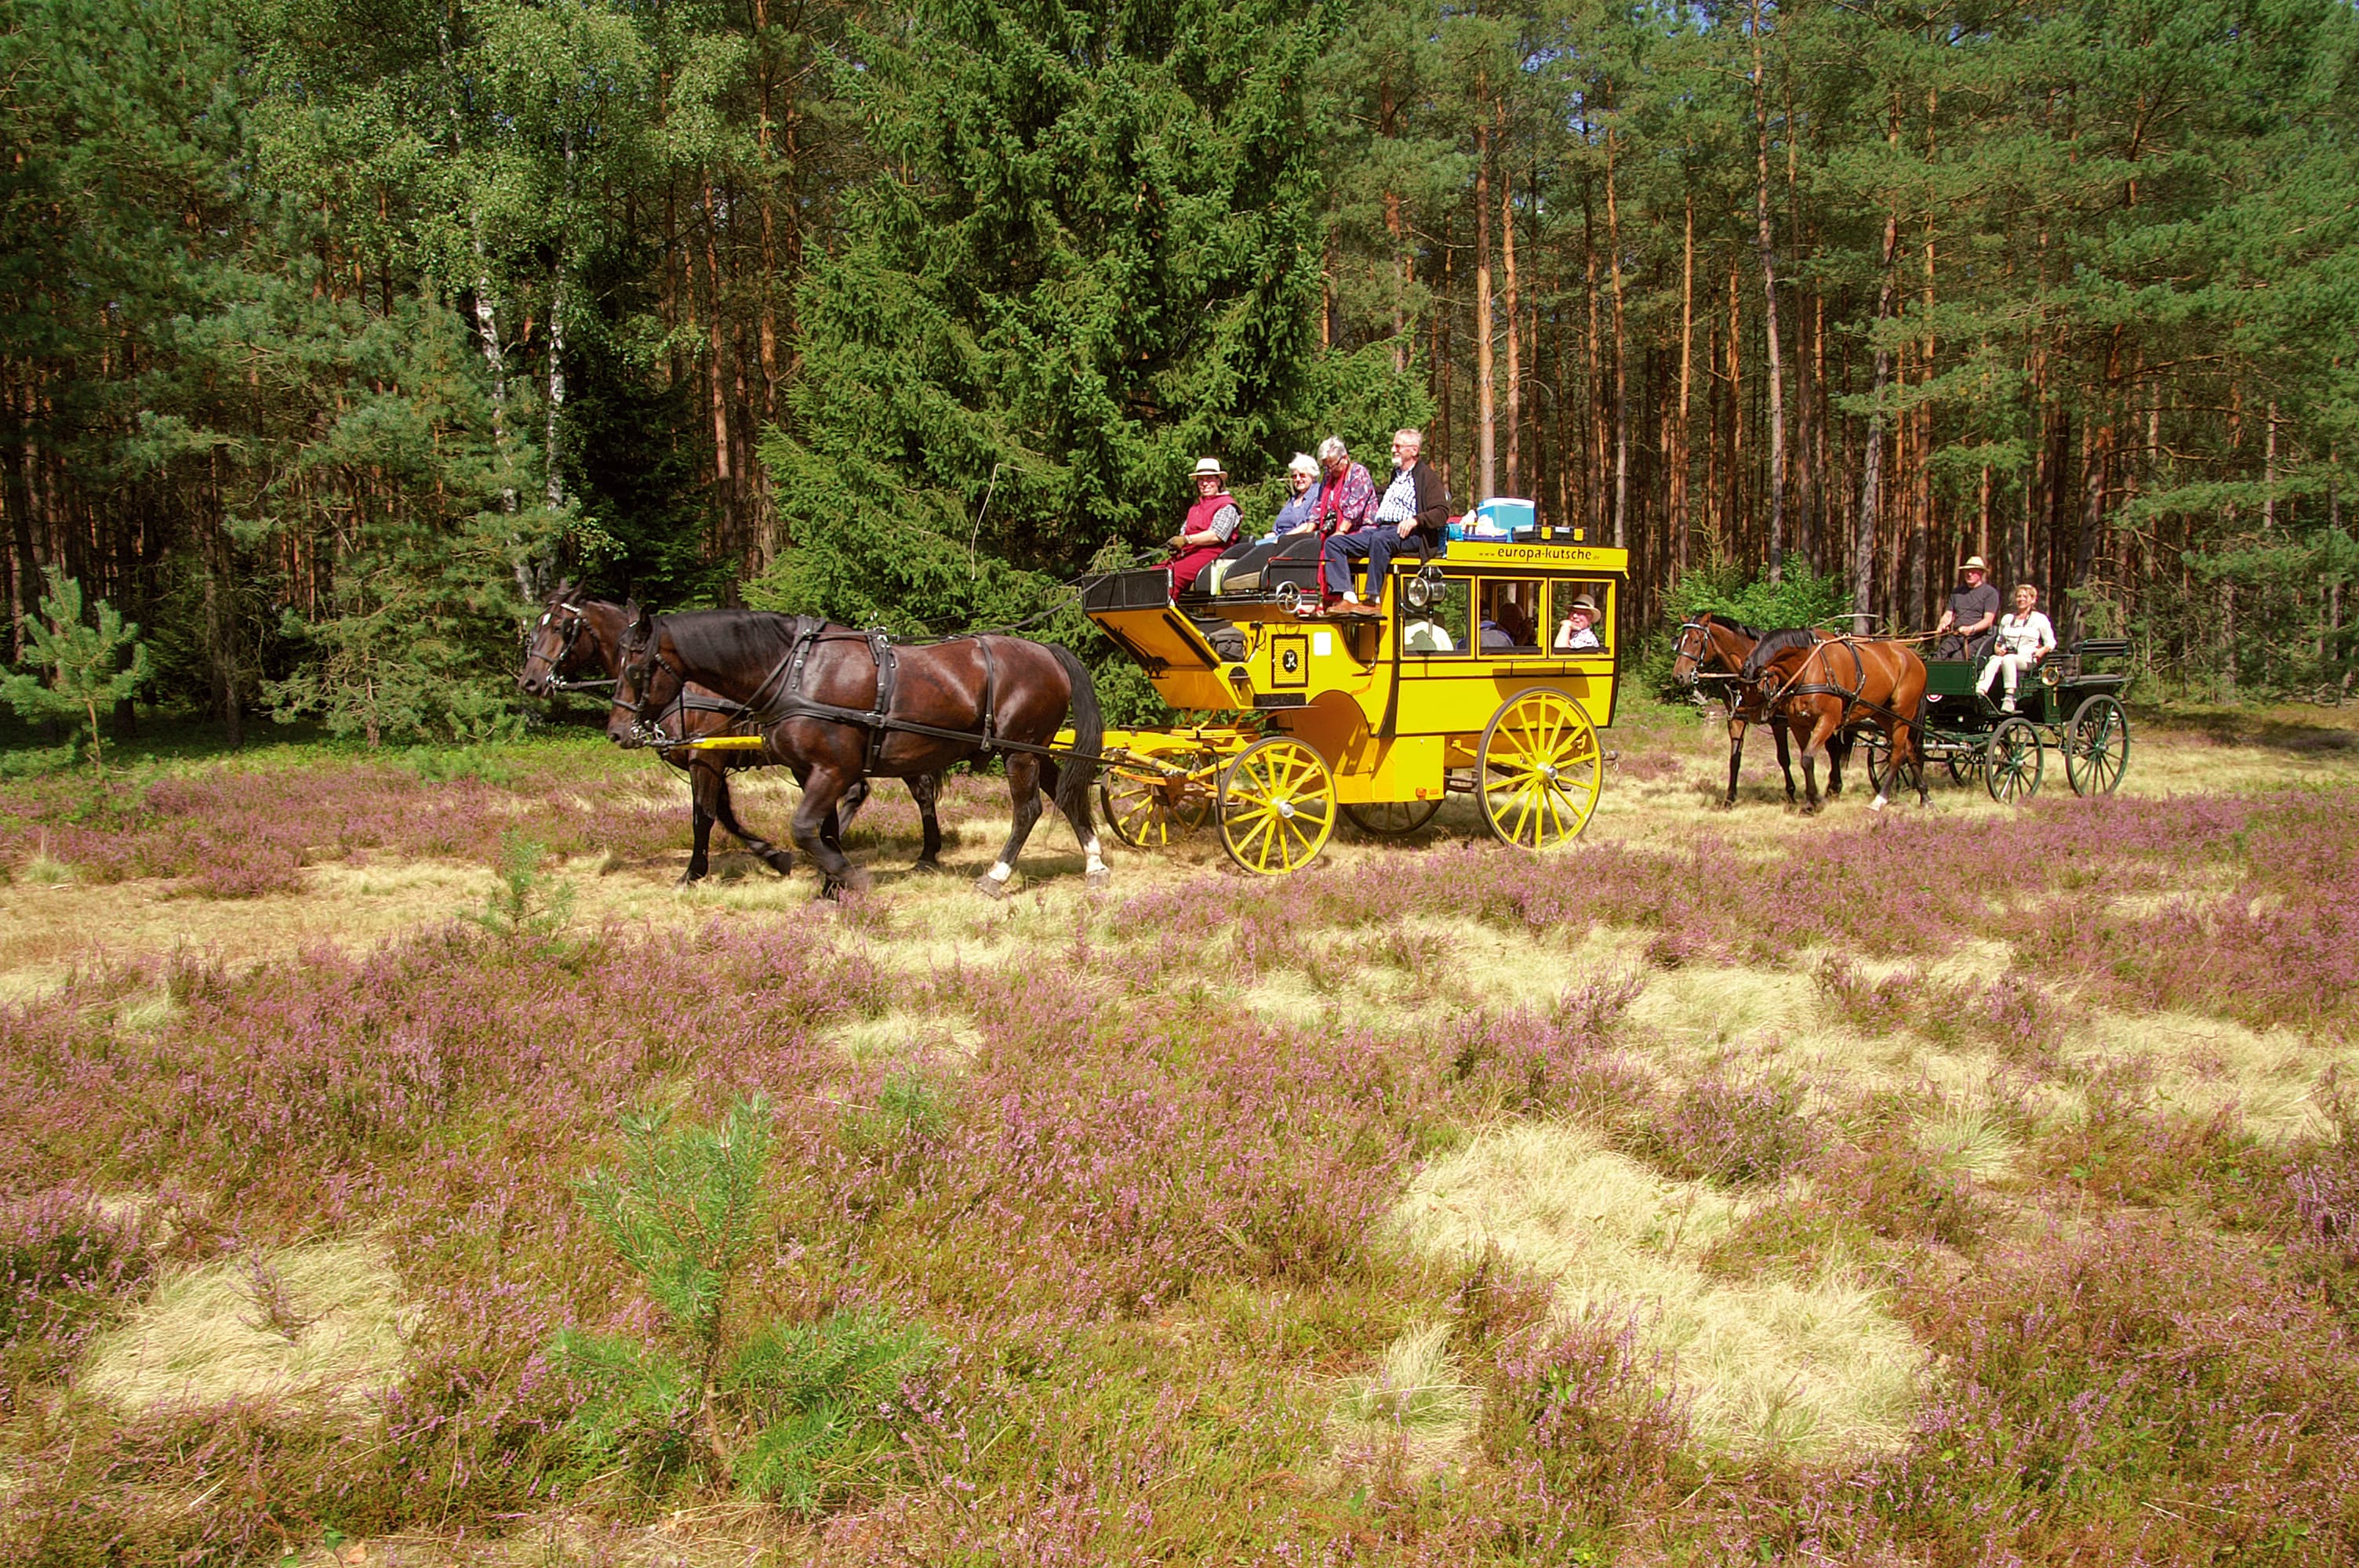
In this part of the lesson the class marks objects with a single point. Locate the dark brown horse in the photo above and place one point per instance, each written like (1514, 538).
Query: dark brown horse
(575, 635)
(1821, 685)
(837, 705)
(1712, 649)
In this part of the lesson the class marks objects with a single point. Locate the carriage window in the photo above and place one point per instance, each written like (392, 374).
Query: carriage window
(1442, 627)
(1563, 596)
(1510, 621)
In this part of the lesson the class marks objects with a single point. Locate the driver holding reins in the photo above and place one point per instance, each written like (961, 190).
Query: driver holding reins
(1972, 611)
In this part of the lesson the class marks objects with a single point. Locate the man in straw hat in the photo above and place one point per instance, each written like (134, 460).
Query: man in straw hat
(1972, 612)
(1212, 524)
(1578, 630)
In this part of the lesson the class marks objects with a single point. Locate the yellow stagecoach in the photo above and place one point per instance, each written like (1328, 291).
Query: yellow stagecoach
(1459, 687)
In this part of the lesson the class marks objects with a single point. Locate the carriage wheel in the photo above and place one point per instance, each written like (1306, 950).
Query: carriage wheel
(1392, 819)
(1278, 807)
(1965, 765)
(2096, 746)
(1147, 811)
(1541, 771)
(2012, 762)
(1879, 760)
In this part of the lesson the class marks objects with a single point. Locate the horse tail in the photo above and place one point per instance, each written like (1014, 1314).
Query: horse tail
(1076, 773)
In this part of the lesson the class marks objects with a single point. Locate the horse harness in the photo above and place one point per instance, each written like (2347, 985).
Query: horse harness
(768, 706)
(1827, 687)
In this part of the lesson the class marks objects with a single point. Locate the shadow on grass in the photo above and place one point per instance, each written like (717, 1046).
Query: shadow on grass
(2298, 731)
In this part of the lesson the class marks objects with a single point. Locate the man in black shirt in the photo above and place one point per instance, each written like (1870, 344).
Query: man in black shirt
(1972, 612)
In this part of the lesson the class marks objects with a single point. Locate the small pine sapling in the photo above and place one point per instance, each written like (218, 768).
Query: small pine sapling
(84, 664)
(531, 905)
(798, 1413)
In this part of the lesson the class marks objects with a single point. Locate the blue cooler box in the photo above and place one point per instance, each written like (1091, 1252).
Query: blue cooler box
(1502, 517)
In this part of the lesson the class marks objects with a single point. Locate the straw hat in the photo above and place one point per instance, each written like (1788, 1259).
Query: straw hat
(1584, 603)
(1209, 467)
(1976, 564)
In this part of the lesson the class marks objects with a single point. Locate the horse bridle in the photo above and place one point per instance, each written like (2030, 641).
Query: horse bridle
(634, 665)
(1680, 650)
(569, 631)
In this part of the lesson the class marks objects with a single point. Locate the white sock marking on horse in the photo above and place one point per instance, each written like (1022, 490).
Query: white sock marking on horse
(1097, 860)
(1876, 804)
(1000, 871)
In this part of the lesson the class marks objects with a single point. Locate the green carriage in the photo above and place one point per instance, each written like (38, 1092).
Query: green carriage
(2073, 706)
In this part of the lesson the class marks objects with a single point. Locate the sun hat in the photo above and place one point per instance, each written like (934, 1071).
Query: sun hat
(1209, 467)
(1583, 603)
(1975, 564)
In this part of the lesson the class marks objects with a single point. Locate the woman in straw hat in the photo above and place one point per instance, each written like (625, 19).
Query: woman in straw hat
(1212, 524)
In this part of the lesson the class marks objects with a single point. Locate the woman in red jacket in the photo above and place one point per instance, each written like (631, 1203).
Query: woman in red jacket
(1212, 524)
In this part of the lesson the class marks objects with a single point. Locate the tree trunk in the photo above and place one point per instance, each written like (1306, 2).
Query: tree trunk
(1765, 245)
(1485, 411)
(1621, 375)
(1515, 358)
(1680, 524)
(1444, 350)
(1388, 126)
(1871, 483)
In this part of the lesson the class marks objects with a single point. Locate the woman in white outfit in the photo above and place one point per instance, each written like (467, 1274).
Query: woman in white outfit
(2024, 639)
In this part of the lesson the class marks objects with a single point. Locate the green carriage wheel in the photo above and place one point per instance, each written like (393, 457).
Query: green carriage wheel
(2012, 762)
(1965, 765)
(1392, 819)
(1879, 759)
(2097, 746)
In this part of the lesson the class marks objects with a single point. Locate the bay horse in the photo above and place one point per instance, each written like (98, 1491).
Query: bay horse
(837, 705)
(1822, 684)
(575, 635)
(1710, 648)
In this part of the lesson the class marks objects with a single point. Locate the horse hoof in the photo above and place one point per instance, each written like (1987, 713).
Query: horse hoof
(925, 868)
(1101, 877)
(689, 877)
(1876, 804)
(990, 888)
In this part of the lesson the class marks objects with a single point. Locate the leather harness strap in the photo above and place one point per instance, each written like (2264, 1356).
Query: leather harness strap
(880, 647)
(990, 729)
(1852, 698)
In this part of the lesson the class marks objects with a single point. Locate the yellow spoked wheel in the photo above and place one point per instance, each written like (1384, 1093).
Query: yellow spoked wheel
(1278, 807)
(1147, 811)
(1541, 773)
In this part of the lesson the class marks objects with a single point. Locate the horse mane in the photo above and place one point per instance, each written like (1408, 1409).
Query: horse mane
(711, 638)
(1728, 624)
(1771, 643)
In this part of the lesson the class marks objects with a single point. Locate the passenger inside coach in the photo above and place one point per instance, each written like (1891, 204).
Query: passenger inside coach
(1511, 617)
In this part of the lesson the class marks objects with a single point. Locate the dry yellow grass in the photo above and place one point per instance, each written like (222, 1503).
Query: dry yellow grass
(207, 1338)
(1814, 1368)
(1416, 1410)
(910, 1037)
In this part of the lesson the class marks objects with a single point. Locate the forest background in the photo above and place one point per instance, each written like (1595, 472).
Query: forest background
(334, 332)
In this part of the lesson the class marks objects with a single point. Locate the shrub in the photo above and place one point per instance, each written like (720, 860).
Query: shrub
(66, 1260)
(1593, 1416)
(1734, 1132)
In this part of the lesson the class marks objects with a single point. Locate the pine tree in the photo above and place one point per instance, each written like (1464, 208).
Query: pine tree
(88, 667)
